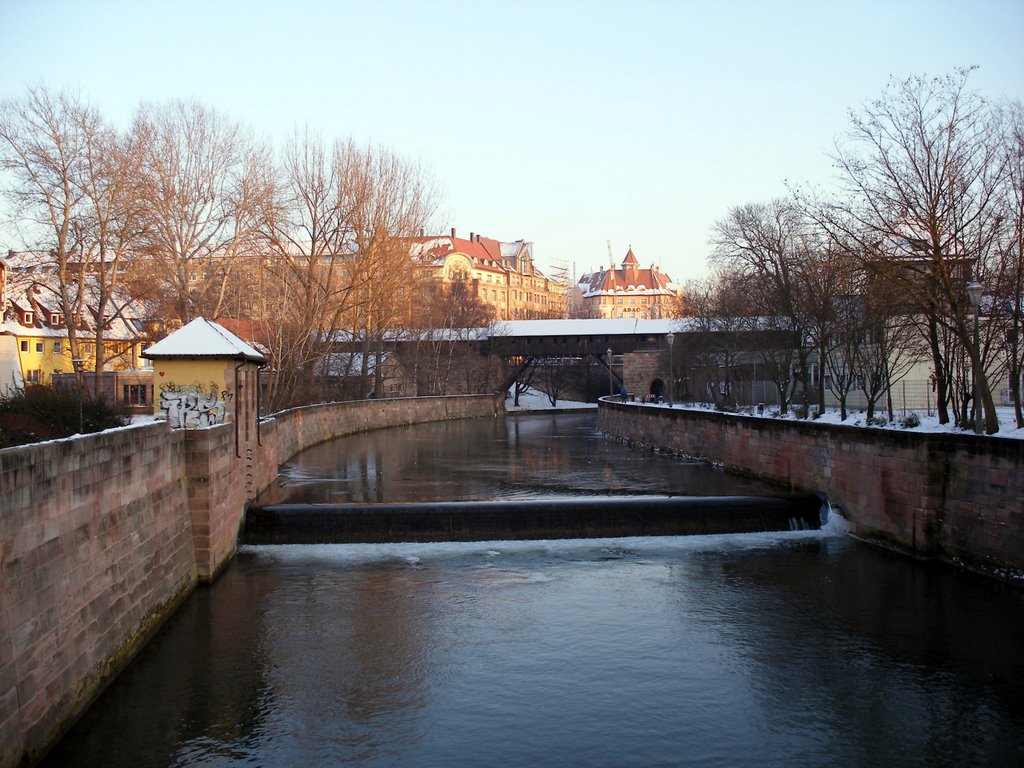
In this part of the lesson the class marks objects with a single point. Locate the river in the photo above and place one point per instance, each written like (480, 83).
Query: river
(802, 648)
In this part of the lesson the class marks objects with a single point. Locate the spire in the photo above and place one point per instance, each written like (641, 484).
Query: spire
(630, 262)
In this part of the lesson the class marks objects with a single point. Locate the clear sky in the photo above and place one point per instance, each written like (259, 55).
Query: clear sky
(569, 124)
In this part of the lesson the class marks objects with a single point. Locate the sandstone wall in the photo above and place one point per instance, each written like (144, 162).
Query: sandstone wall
(96, 548)
(955, 497)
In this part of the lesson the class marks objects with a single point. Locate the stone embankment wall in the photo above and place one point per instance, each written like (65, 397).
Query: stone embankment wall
(102, 536)
(957, 498)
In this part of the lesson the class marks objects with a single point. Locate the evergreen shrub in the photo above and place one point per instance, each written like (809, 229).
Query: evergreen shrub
(39, 413)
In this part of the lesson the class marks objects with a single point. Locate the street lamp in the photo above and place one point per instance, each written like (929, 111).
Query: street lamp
(611, 385)
(974, 291)
(670, 338)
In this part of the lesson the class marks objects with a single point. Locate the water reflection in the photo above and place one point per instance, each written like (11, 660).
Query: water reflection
(927, 663)
(541, 456)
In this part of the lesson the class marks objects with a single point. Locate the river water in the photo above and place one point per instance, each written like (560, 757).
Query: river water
(787, 649)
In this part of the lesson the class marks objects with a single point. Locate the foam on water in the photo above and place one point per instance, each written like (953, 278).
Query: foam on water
(415, 553)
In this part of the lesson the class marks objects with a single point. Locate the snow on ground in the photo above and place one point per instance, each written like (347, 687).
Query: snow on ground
(533, 400)
(929, 421)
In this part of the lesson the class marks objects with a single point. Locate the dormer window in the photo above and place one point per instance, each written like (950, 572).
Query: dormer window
(29, 318)
(55, 318)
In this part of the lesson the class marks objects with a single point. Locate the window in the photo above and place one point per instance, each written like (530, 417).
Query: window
(29, 318)
(134, 394)
(55, 318)
(57, 348)
(39, 347)
(33, 377)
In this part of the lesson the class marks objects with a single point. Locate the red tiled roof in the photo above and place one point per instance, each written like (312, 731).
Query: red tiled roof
(484, 251)
(629, 276)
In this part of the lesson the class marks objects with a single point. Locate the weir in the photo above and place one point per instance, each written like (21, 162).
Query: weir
(565, 518)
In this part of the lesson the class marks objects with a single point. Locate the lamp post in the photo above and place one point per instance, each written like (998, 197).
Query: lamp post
(670, 338)
(974, 291)
(611, 384)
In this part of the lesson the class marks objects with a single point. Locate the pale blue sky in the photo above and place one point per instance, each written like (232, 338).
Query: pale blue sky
(566, 123)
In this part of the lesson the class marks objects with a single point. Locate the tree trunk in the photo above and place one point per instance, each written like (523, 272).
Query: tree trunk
(941, 385)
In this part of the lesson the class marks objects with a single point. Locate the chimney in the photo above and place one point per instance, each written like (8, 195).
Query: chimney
(453, 231)
(472, 237)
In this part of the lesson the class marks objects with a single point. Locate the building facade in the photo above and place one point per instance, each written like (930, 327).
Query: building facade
(32, 317)
(628, 292)
(502, 275)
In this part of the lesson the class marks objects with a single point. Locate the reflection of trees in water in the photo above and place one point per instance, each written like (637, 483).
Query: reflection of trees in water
(520, 456)
(924, 662)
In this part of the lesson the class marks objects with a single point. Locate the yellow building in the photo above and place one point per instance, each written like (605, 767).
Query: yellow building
(502, 275)
(32, 316)
(204, 376)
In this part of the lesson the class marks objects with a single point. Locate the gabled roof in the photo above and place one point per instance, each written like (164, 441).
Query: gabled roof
(202, 338)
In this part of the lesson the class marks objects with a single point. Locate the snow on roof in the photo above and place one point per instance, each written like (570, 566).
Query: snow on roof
(591, 327)
(203, 338)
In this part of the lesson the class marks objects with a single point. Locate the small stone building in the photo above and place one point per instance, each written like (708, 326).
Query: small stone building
(205, 375)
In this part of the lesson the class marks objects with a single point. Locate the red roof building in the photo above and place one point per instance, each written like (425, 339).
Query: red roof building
(501, 274)
(629, 292)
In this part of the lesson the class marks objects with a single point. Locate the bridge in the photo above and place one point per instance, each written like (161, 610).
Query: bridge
(578, 338)
(636, 355)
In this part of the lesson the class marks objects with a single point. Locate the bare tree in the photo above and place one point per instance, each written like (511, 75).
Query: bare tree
(921, 170)
(719, 333)
(390, 200)
(76, 187)
(114, 221)
(1009, 295)
(309, 251)
(45, 152)
(763, 242)
(207, 181)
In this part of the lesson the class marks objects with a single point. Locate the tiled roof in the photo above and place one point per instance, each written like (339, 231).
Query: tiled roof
(629, 279)
(486, 253)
